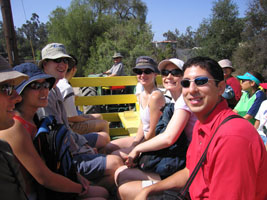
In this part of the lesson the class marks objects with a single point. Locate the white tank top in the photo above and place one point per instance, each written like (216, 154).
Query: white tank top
(145, 114)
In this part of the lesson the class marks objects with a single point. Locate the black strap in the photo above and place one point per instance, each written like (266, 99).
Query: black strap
(203, 157)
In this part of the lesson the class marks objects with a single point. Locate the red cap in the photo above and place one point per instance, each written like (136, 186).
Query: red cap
(264, 85)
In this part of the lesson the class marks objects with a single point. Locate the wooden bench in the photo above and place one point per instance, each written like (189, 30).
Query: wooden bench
(129, 119)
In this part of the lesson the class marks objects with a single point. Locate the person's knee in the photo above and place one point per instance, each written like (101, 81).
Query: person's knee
(118, 175)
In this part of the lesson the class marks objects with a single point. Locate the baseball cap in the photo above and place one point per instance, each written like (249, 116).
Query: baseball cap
(54, 51)
(34, 73)
(143, 62)
(226, 63)
(8, 73)
(178, 63)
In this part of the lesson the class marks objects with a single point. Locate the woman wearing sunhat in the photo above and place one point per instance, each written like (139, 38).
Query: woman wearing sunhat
(20, 136)
(252, 96)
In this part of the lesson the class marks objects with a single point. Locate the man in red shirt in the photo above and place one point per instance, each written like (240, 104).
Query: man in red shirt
(227, 67)
(236, 162)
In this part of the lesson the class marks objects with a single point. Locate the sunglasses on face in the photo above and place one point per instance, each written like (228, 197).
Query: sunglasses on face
(244, 80)
(7, 89)
(198, 81)
(38, 86)
(140, 71)
(59, 60)
(174, 72)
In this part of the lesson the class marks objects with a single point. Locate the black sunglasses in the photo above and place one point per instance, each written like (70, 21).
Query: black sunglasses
(174, 72)
(38, 86)
(59, 60)
(7, 89)
(198, 81)
(146, 71)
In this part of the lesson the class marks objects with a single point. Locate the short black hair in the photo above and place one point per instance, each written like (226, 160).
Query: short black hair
(208, 64)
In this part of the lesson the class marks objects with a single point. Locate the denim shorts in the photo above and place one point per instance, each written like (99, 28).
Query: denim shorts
(91, 166)
(91, 138)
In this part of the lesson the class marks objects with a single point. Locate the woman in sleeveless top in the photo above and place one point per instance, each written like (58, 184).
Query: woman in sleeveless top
(34, 94)
(151, 100)
(130, 179)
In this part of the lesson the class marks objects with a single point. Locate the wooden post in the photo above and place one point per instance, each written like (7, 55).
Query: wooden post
(9, 31)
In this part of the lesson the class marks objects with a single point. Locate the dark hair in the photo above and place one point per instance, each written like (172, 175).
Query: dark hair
(258, 76)
(208, 64)
(74, 64)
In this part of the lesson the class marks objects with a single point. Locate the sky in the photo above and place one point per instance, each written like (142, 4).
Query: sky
(163, 15)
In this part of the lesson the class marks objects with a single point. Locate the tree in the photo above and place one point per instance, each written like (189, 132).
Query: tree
(251, 52)
(219, 36)
(31, 37)
(93, 30)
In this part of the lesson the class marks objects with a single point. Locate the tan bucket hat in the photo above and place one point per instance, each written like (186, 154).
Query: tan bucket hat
(54, 51)
(7, 73)
(226, 63)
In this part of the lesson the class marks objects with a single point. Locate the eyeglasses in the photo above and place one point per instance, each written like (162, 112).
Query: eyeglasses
(7, 89)
(59, 60)
(198, 81)
(146, 71)
(174, 72)
(38, 86)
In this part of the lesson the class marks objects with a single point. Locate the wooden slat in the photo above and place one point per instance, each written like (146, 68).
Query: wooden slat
(105, 99)
(111, 117)
(103, 81)
(118, 132)
(106, 81)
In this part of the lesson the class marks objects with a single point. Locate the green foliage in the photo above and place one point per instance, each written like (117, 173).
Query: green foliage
(31, 37)
(219, 36)
(93, 30)
(251, 52)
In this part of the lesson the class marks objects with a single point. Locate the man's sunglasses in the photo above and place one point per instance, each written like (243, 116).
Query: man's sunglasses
(174, 72)
(198, 81)
(59, 60)
(146, 71)
(7, 89)
(38, 86)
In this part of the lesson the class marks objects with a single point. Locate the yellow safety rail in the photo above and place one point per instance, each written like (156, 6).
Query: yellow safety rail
(129, 119)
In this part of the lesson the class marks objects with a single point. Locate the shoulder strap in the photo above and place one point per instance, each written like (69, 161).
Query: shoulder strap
(203, 157)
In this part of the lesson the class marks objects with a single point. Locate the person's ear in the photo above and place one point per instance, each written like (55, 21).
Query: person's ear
(221, 87)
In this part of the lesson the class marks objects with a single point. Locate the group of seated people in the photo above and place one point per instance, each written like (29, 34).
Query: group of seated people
(179, 130)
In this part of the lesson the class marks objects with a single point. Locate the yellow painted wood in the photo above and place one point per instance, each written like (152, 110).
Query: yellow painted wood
(111, 117)
(105, 99)
(106, 81)
(118, 132)
(130, 121)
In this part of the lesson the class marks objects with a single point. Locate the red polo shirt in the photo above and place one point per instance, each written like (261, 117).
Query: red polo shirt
(236, 164)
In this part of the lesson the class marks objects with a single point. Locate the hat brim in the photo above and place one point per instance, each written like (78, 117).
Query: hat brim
(164, 63)
(233, 69)
(117, 57)
(154, 69)
(47, 77)
(60, 55)
(15, 76)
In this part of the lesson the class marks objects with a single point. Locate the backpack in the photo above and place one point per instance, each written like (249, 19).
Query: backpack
(165, 161)
(52, 144)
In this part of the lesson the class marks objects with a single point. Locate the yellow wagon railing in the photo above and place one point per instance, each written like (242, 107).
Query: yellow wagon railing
(130, 118)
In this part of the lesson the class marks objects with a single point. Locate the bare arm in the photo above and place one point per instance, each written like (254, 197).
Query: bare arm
(174, 181)
(156, 102)
(257, 124)
(166, 139)
(21, 144)
(248, 117)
